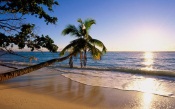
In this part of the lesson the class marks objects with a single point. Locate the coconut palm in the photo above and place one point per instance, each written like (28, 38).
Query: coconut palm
(19, 72)
(83, 42)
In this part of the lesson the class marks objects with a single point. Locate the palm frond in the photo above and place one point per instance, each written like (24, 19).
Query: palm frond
(72, 30)
(75, 46)
(88, 23)
(68, 47)
(99, 44)
(79, 20)
(95, 52)
(89, 37)
(80, 30)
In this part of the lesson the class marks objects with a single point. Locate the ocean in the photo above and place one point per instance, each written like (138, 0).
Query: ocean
(149, 72)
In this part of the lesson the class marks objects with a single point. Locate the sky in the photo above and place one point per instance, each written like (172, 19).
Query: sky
(122, 25)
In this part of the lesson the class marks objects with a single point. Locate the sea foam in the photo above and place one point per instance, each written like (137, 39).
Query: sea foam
(158, 85)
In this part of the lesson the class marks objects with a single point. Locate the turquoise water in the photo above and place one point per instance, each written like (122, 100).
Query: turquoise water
(148, 72)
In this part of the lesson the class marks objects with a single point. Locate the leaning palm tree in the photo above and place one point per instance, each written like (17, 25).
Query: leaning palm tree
(19, 72)
(83, 42)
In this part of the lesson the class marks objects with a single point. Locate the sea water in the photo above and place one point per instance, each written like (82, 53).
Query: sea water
(149, 72)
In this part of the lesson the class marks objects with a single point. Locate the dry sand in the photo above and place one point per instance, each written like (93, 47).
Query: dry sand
(48, 89)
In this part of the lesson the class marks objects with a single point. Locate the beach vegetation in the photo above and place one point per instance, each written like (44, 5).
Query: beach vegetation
(14, 30)
(83, 43)
(22, 34)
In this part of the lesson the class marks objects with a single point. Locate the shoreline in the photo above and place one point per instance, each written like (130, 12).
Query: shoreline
(47, 88)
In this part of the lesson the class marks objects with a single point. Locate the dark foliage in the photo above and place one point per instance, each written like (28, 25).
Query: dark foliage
(14, 32)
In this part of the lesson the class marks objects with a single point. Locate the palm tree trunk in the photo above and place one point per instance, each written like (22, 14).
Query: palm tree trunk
(85, 58)
(81, 57)
(12, 74)
(71, 62)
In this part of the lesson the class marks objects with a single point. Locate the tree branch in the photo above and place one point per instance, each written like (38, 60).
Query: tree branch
(11, 19)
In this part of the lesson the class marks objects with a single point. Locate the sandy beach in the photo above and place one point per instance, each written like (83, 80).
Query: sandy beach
(48, 89)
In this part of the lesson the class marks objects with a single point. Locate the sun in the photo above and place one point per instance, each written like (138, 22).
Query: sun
(148, 43)
(149, 40)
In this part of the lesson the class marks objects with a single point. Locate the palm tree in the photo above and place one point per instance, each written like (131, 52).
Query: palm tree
(19, 72)
(83, 42)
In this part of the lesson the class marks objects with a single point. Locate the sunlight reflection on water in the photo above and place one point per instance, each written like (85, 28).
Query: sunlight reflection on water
(147, 98)
(148, 60)
(148, 87)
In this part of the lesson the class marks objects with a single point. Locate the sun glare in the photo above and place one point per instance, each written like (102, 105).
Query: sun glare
(150, 39)
(150, 42)
(147, 98)
(148, 61)
(147, 87)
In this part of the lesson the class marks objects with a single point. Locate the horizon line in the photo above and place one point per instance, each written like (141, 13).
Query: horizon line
(107, 51)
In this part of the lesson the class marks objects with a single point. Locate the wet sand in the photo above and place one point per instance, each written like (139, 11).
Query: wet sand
(48, 89)
(5, 69)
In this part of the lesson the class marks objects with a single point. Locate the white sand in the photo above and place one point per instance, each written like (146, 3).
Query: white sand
(17, 99)
(47, 89)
